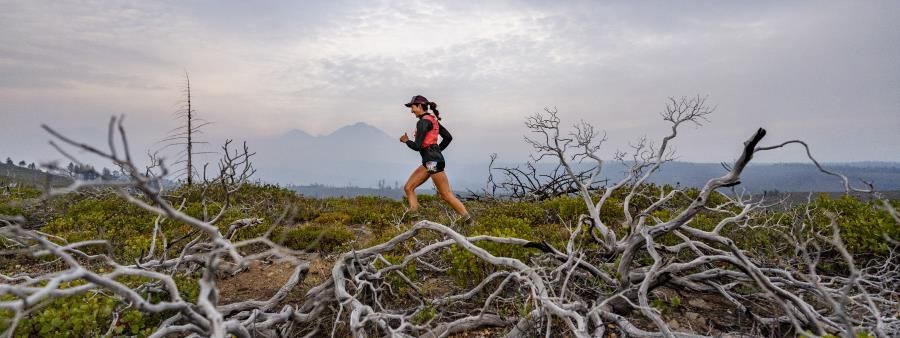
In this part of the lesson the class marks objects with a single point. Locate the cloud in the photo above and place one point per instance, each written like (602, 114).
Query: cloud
(802, 71)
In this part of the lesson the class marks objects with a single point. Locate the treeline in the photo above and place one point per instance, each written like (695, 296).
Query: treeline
(72, 170)
(22, 164)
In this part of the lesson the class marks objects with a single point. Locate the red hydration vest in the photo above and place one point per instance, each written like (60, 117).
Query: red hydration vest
(431, 137)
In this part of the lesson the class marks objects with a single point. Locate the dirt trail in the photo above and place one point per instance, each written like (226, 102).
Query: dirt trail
(263, 279)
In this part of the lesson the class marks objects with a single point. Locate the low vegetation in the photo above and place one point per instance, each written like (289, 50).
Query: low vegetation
(334, 225)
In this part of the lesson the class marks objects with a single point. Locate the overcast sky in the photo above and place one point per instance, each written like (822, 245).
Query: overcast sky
(825, 72)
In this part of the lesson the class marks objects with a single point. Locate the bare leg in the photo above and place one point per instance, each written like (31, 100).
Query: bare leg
(418, 176)
(443, 186)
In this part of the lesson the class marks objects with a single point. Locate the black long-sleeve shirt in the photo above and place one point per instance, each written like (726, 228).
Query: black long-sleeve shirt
(422, 127)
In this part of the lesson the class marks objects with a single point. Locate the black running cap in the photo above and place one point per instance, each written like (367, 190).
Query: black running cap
(418, 99)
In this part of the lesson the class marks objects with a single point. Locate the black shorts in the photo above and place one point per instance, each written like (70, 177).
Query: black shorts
(435, 168)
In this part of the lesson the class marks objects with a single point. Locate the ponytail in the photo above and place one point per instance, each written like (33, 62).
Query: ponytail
(433, 107)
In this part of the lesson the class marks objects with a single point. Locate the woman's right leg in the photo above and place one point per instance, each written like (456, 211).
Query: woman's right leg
(418, 176)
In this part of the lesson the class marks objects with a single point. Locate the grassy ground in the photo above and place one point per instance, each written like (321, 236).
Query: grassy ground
(326, 227)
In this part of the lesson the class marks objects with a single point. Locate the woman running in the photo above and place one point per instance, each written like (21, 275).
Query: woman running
(426, 143)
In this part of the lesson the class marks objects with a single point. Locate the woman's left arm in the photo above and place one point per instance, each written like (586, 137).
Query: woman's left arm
(445, 136)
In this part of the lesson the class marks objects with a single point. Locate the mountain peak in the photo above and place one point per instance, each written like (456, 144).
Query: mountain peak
(297, 132)
(351, 131)
(294, 134)
(358, 128)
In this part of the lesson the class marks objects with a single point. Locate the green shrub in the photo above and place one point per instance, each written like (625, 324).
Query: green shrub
(466, 268)
(77, 316)
(325, 238)
(862, 225)
(765, 241)
(565, 208)
(90, 314)
(84, 315)
(557, 235)
(110, 218)
(370, 210)
(424, 315)
(532, 213)
(332, 218)
(398, 285)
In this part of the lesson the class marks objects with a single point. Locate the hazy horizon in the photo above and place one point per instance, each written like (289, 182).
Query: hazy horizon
(503, 160)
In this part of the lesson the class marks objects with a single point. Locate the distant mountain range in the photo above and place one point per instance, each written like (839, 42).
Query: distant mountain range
(787, 177)
(360, 159)
(358, 154)
(361, 155)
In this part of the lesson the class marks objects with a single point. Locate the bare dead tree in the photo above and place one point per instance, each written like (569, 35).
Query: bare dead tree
(185, 137)
(528, 183)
